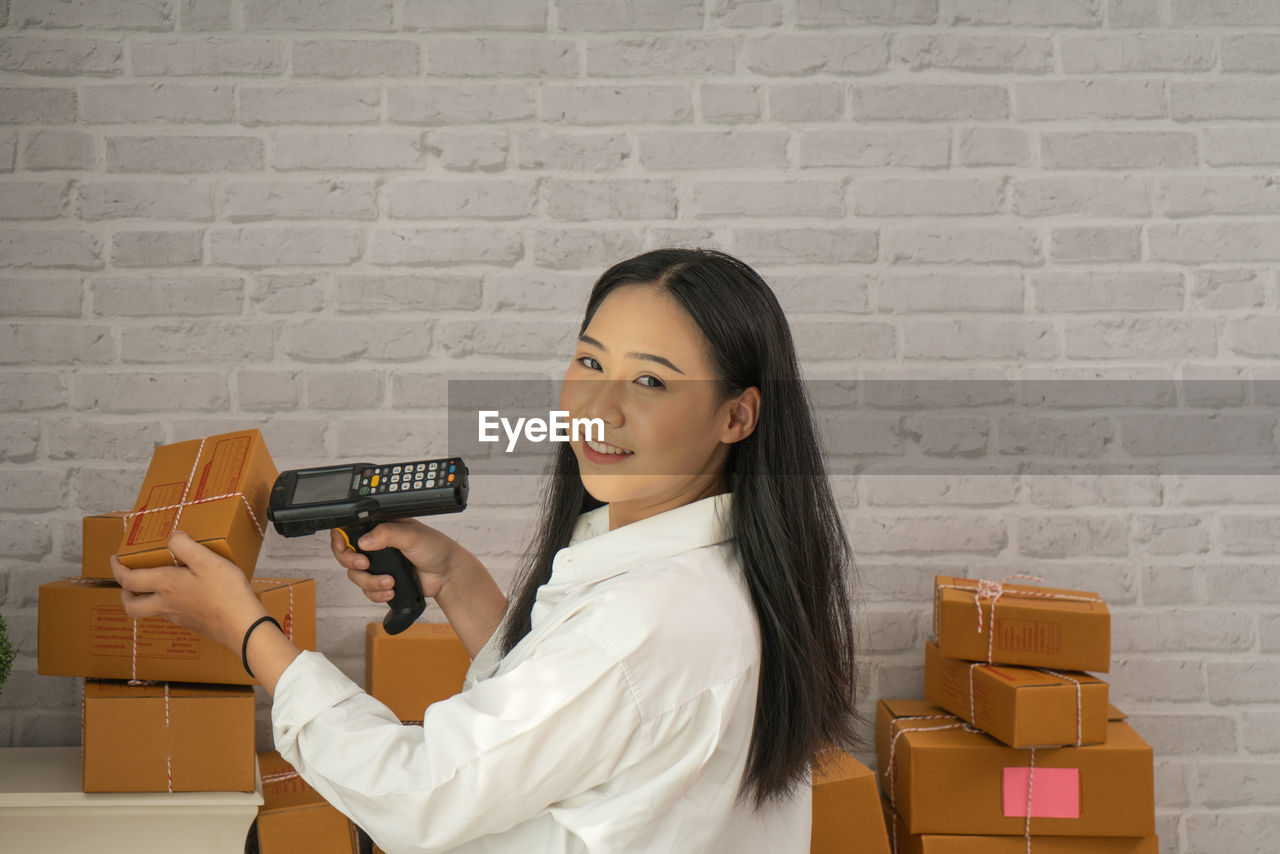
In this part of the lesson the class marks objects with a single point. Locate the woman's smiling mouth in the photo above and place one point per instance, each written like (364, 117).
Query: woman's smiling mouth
(604, 453)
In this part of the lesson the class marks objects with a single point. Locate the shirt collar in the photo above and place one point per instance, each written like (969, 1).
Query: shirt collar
(595, 553)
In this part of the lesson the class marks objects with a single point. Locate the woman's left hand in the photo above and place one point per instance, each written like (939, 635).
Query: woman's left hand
(209, 594)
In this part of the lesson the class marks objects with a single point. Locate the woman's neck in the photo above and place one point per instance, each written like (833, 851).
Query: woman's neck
(625, 512)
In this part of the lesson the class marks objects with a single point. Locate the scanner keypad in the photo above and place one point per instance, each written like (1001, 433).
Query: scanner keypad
(408, 477)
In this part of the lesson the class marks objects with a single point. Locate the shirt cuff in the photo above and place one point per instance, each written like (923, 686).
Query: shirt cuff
(307, 687)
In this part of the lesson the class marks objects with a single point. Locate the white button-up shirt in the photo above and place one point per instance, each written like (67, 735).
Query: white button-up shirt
(620, 723)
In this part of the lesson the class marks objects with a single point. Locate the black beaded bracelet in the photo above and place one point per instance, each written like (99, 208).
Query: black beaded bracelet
(244, 647)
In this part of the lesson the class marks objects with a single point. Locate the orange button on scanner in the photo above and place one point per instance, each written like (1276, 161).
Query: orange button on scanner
(373, 481)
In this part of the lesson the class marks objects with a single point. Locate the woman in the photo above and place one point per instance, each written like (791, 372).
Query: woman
(678, 643)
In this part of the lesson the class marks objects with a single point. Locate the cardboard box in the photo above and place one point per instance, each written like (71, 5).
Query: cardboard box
(215, 489)
(1021, 706)
(1034, 626)
(947, 778)
(168, 737)
(410, 671)
(846, 807)
(83, 630)
(294, 817)
(100, 540)
(906, 843)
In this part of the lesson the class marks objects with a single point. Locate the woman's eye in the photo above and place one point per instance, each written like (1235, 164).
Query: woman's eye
(591, 364)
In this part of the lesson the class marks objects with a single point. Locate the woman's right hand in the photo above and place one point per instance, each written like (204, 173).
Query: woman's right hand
(431, 552)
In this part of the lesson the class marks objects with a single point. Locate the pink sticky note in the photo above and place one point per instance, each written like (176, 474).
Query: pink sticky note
(1055, 792)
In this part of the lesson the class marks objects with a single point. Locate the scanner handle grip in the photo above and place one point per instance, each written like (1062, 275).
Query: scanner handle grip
(407, 602)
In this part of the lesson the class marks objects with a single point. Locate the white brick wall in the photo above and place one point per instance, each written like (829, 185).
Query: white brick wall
(303, 215)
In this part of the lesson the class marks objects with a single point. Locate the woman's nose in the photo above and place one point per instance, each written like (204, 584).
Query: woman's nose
(601, 399)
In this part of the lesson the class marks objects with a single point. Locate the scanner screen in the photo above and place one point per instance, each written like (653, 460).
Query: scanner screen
(322, 486)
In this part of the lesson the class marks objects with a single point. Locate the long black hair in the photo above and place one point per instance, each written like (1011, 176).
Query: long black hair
(787, 533)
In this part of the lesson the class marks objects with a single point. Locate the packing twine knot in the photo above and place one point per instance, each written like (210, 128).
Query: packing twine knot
(989, 588)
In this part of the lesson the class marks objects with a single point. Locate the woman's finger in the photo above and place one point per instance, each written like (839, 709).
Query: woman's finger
(137, 580)
(140, 605)
(347, 557)
(377, 588)
(397, 534)
(191, 553)
(370, 584)
(360, 579)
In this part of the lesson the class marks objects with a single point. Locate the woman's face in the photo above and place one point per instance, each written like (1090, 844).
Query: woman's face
(642, 368)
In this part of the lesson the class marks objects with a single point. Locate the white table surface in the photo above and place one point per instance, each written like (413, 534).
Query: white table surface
(43, 810)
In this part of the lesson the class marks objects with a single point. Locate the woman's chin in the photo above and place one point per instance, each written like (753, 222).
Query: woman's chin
(647, 488)
(610, 487)
(605, 488)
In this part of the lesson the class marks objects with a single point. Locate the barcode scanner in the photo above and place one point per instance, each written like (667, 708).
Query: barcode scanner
(355, 497)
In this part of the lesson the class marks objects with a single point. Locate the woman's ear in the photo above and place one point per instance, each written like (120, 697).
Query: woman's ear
(742, 414)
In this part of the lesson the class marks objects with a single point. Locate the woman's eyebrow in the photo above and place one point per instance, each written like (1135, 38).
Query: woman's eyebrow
(587, 339)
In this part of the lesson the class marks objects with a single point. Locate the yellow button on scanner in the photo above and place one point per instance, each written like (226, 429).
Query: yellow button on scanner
(373, 481)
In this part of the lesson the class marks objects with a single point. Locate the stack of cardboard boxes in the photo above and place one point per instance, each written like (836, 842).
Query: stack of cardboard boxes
(1015, 747)
(166, 709)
